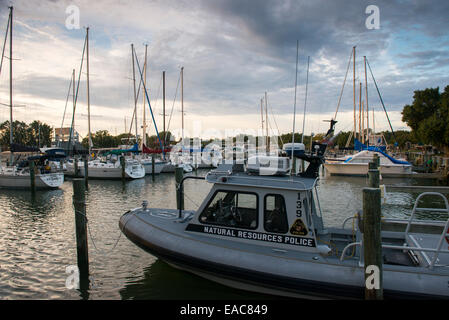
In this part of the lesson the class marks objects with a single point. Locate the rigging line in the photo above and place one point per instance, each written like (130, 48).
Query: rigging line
(381, 100)
(4, 43)
(77, 90)
(65, 108)
(149, 105)
(173, 105)
(341, 93)
(157, 96)
(271, 110)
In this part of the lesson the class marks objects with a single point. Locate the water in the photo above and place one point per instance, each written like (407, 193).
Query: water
(37, 239)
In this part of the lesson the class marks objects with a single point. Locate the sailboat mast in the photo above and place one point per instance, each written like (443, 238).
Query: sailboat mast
(11, 140)
(73, 124)
(366, 99)
(88, 94)
(134, 86)
(144, 121)
(182, 100)
(266, 123)
(261, 113)
(353, 78)
(163, 107)
(360, 112)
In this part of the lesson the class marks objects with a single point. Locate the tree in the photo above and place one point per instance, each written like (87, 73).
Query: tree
(428, 116)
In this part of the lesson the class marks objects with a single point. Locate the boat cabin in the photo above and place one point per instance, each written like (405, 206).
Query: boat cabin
(282, 210)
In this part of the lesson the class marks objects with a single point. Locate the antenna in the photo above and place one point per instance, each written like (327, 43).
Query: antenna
(294, 108)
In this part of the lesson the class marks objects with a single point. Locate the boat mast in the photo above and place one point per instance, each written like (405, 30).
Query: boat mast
(88, 94)
(366, 99)
(135, 94)
(266, 123)
(11, 140)
(74, 103)
(305, 104)
(294, 108)
(353, 78)
(182, 101)
(144, 122)
(261, 113)
(163, 109)
(360, 112)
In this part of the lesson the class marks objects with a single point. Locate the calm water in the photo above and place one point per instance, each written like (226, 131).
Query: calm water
(37, 239)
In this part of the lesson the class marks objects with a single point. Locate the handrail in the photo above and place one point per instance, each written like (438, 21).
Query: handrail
(445, 230)
(358, 243)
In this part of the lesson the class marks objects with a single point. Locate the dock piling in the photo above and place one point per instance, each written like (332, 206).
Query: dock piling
(81, 231)
(153, 158)
(373, 174)
(75, 165)
(372, 242)
(122, 164)
(86, 173)
(32, 176)
(179, 173)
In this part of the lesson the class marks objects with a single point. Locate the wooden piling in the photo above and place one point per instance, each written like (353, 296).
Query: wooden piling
(153, 158)
(372, 242)
(122, 164)
(61, 165)
(81, 231)
(373, 175)
(32, 176)
(86, 173)
(75, 165)
(179, 173)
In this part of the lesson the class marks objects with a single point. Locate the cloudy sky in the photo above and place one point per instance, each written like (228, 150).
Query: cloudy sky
(232, 51)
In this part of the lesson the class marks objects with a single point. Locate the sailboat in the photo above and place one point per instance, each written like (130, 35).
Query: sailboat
(368, 145)
(15, 176)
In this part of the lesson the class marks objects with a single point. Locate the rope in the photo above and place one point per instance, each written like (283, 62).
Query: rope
(92, 238)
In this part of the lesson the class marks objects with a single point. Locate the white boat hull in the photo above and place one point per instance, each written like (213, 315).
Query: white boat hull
(158, 166)
(105, 172)
(361, 169)
(42, 181)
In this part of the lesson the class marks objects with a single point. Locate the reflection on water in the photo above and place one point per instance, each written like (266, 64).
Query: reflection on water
(37, 238)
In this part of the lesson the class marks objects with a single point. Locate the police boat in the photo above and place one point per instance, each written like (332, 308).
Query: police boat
(265, 233)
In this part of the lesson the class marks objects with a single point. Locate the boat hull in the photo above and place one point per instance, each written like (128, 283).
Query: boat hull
(42, 181)
(361, 169)
(158, 166)
(263, 270)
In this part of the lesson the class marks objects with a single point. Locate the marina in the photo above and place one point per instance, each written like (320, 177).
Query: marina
(42, 230)
(234, 177)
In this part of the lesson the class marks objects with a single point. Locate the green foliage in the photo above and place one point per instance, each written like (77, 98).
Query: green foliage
(36, 134)
(428, 116)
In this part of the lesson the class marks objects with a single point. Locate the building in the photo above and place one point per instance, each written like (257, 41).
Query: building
(63, 134)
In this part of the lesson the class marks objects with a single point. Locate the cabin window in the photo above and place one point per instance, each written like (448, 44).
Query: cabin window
(232, 209)
(275, 214)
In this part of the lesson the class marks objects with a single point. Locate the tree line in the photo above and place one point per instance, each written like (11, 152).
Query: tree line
(35, 134)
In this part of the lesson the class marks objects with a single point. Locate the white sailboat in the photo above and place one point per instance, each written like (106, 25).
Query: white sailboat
(357, 165)
(13, 177)
(98, 169)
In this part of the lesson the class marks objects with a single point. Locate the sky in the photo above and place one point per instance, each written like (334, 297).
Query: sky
(232, 51)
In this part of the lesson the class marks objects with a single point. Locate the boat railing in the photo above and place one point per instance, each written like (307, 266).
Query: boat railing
(416, 248)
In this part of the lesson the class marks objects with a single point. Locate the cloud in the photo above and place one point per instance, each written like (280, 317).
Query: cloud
(232, 52)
